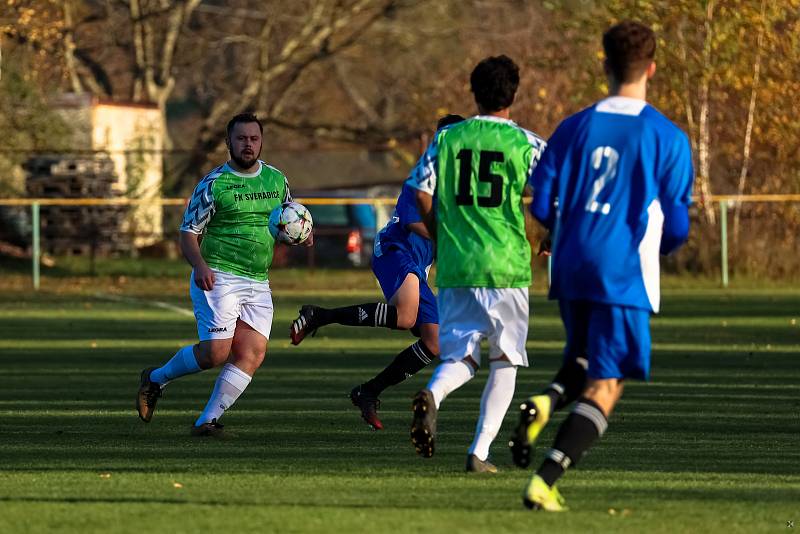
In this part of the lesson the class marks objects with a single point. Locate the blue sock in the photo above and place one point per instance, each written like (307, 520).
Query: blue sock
(182, 364)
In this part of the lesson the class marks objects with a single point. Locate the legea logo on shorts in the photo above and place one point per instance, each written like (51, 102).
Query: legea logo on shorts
(218, 329)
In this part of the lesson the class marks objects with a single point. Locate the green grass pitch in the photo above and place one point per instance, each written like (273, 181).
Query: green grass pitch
(711, 444)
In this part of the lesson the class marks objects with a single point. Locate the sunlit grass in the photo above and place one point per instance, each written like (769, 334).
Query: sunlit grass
(710, 445)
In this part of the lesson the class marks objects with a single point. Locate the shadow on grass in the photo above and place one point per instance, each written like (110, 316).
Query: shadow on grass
(296, 421)
(660, 492)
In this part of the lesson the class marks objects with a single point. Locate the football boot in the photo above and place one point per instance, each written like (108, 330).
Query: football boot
(533, 416)
(368, 404)
(476, 465)
(148, 395)
(423, 425)
(304, 325)
(212, 429)
(539, 496)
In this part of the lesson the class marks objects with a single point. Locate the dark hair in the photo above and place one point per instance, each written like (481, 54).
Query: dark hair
(630, 47)
(494, 82)
(447, 120)
(242, 117)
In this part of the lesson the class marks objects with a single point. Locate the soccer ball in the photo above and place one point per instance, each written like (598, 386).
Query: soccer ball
(290, 223)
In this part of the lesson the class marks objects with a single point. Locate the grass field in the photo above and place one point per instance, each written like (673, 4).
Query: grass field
(712, 444)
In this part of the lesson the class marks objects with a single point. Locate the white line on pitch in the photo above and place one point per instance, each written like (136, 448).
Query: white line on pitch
(156, 303)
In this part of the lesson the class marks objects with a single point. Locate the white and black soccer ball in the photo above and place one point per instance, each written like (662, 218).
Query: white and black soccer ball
(290, 223)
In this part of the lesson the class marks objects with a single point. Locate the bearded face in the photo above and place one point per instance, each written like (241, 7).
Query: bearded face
(244, 144)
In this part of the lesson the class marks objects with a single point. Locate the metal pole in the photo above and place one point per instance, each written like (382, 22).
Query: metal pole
(35, 250)
(549, 270)
(723, 229)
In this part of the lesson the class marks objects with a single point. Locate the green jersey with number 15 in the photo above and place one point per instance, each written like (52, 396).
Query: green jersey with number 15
(477, 170)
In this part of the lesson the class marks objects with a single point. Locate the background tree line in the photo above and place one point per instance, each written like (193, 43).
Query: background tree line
(377, 73)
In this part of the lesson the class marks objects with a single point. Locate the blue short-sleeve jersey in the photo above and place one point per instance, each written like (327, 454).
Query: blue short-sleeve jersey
(612, 179)
(396, 235)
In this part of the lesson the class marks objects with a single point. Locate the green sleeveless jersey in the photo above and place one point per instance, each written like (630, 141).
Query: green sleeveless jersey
(231, 210)
(477, 170)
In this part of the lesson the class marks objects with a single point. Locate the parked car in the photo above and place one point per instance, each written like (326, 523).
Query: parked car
(344, 236)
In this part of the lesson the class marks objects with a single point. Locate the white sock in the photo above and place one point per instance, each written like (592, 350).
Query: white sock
(448, 377)
(231, 383)
(182, 364)
(495, 401)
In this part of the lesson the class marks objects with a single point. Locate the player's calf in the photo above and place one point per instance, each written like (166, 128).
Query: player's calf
(409, 362)
(584, 425)
(153, 380)
(406, 364)
(229, 386)
(568, 384)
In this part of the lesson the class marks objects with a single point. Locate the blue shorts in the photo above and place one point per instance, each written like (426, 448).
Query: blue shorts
(614, 339)
(391, 269)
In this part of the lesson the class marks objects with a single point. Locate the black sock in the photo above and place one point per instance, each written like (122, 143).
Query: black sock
(568, 384)
(404, 365)
(370, 314)
(575, 436)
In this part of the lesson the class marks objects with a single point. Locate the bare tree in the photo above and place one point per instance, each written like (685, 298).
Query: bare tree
(748, 132)
(156, 27)
(704, 130)
(281, 53)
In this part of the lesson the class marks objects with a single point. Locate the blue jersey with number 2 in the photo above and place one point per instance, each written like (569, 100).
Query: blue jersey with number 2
(614, 185)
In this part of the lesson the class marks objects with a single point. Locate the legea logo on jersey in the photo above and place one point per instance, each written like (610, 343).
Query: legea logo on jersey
(235, 186)
(258, 195)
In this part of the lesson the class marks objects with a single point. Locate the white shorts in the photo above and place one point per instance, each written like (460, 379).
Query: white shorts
(232, 297)
(469, 314)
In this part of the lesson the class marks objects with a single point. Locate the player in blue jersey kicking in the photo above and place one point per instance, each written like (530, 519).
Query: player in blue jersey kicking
(402, 257)
(614, 187)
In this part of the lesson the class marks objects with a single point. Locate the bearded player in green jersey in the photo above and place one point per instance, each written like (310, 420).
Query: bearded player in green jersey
(475, 172)
(225, 237)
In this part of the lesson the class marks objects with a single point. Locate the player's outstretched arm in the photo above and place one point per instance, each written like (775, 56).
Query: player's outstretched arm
(190, 246)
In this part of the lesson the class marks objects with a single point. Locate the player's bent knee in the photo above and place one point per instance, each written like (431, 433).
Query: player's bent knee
(209, 360)
(218, 358)
(250, 355)
(406, 322)
(432, 345)
(406, 307)
(605, 393)
(210, 355)
(258, 358)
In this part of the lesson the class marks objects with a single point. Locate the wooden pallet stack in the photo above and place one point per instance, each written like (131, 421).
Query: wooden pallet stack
(78, 230)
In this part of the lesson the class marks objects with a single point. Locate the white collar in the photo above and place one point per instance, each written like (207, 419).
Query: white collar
(244, 174)
(621, 105)
(493, 118)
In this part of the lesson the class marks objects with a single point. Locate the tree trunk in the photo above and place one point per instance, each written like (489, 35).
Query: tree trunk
(704, 171)
(751, 111)
(69, 50)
